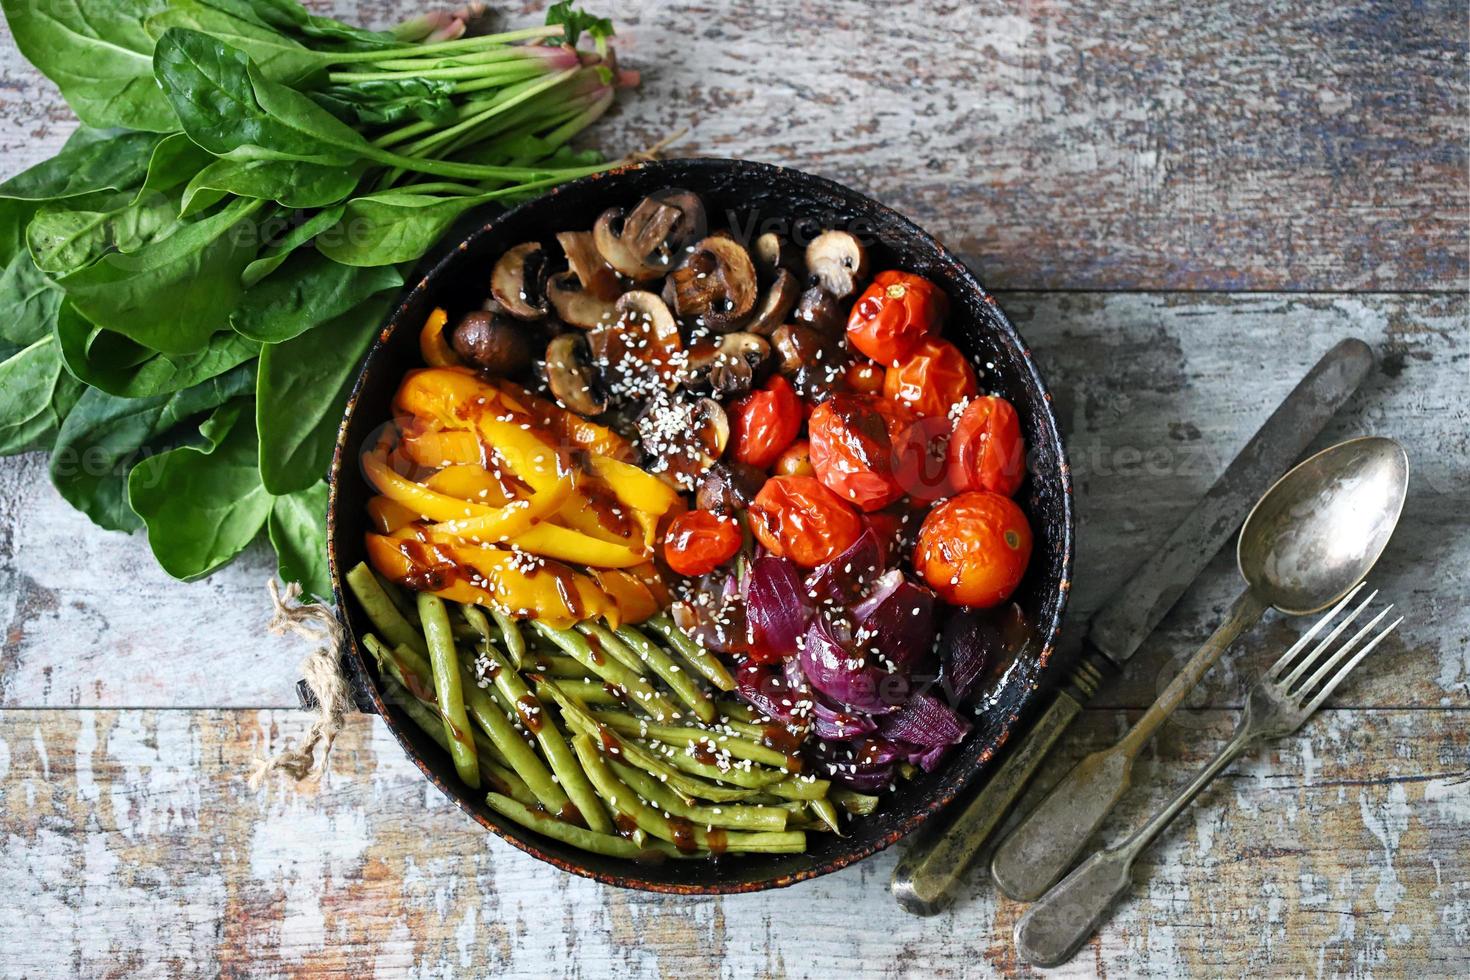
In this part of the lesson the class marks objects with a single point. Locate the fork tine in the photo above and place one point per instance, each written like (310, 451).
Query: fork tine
(1310, 660)
(1306, 637)
(1336, 658)
(1347, 668)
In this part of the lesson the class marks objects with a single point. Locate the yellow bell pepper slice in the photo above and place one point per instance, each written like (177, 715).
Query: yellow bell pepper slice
(634, 600)
(389, 515)
(635, 487)
(432, 345)
(489, 528)
(565, 544)
(511, 519)
(571, 428)
(469, 481)
(432, 447)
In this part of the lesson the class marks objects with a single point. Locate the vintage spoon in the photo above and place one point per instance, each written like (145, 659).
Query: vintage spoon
(1308, 541)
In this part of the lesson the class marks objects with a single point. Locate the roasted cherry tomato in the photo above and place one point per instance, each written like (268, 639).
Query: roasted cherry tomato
(798, 518)
(987, 451)
(764, 423)
(796, 460)
(974, 548)
(921, 460)
(853, 439)
(895, 314)
(700, 541)
(864, 377)
(934, 378)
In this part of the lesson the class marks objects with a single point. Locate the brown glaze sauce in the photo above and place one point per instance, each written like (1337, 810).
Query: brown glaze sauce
(626, 825)
(529, 711)
(570, 814)
(566, 587)
(716, 840)
(683, 834)
(703, 752)
(610, 742)
(782, 739)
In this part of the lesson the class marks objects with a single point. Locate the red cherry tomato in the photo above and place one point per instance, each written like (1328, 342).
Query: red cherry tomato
(933, 380)
(894, 314)
(764, 423)
(987, 451)
(798, 518)
(700, 541)
(853, 439)
(921, 460)
(973, 549)
(796, 460)
(864, 377)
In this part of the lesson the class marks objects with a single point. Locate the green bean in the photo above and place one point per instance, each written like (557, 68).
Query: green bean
(719, 742)
(539, 723)
(406, 604)
(699, 658)
(857, 804)
(754, 777)
(732, 817)
(740, 711)
(448, 686)
(492, 772)
(593, 692)
(800, 788)
(515, 643)
(680, 681)
(579, 837)
(385, 617)
(643, 693)
(517, 754)
(688, 787)
(676, 831)
(826, 813)
(557, 665)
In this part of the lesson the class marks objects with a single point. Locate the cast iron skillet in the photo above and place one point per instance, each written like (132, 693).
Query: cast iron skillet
(745, 195)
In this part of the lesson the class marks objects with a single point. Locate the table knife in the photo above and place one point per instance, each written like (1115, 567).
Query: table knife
(942, 852)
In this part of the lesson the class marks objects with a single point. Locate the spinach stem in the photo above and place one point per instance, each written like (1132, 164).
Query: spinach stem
(444, 47)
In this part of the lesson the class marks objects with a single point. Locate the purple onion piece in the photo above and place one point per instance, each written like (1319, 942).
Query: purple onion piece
(976, 640)
(835, 667)
(897, 621)
(847, 577)
(775, 606)
(925, 721)
(834, 725)
(867, 767)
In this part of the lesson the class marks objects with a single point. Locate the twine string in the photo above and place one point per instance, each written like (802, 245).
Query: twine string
(322, 672)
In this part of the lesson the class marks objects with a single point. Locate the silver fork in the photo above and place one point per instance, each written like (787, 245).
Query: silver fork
(1283, 698)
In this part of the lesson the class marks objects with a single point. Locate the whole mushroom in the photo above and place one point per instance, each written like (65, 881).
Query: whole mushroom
(492, 343)
(637, 245)
(570, 375)
(583, 295)
(728, 366)
(838, 261)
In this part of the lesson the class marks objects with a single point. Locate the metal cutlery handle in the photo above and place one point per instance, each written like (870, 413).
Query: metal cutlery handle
(1055, 927)
(1048, 840)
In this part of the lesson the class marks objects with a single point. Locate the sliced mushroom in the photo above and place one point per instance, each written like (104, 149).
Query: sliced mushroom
(639, 348)
(683, 438)
(570, 376)
(492, 343)
(575, 304)
(716, 284)
(637, 245)
(838, 261)
(776, 306)
(819, 310)
(728, 487)
(728, 367)
(518, 281)
(691, 223)
(773, 252)
(592, 271)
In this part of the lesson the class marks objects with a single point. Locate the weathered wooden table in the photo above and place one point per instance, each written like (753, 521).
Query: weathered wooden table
(1182, 206)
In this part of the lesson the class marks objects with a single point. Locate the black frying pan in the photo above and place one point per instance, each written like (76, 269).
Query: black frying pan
(742, 195)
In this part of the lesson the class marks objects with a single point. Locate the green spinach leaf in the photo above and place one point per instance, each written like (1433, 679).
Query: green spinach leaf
(279, 57)
(280, 250)
(35, 395)
(203, 504)
(172, 295)
(290, 183)
(301, 389)
(98, 54)
(309, 290)
(104, 436)
(121, 367)
(33, 301)
(230, 109)
(298, 532)
(62, 240)
(393, 226)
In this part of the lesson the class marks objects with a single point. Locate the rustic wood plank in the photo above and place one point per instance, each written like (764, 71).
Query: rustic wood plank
(1060, 144)
(89, 620)
(132, 847)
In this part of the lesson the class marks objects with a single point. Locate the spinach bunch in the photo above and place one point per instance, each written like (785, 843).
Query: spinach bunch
(191, 282)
